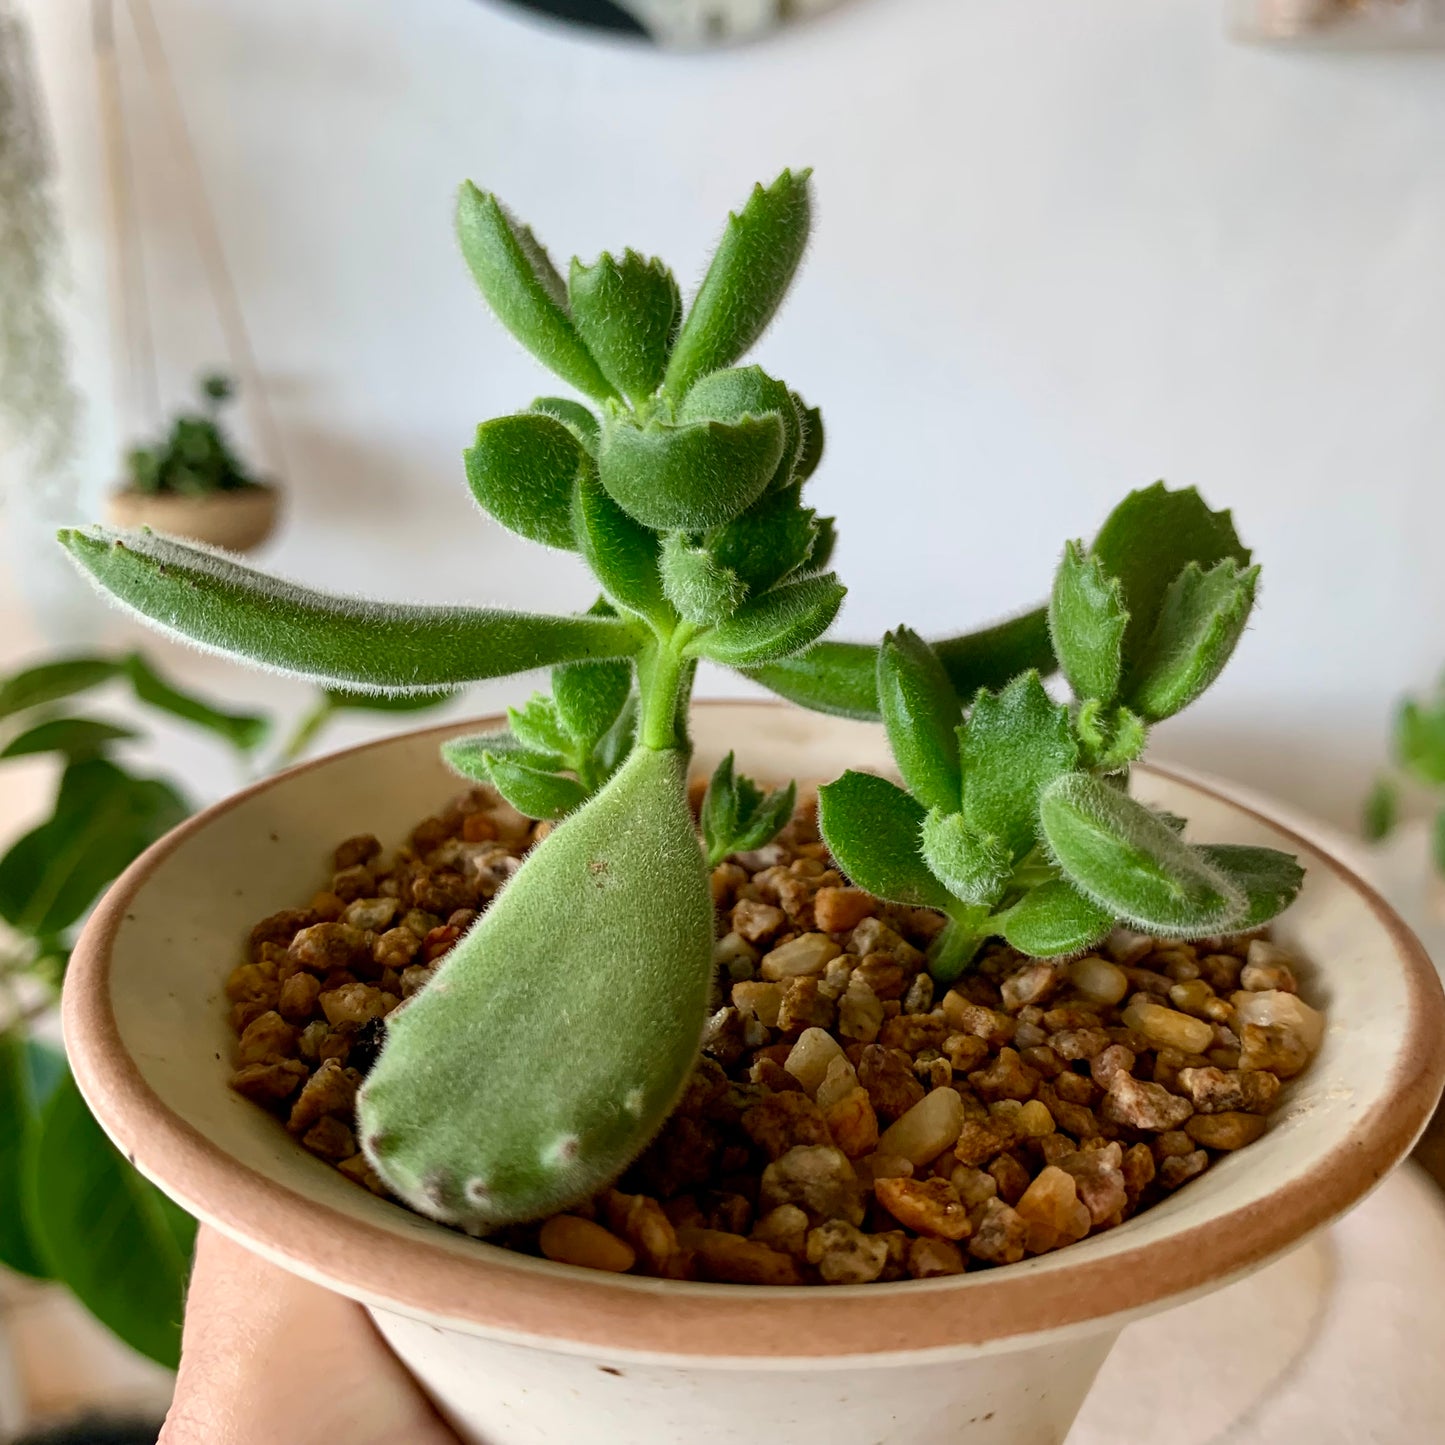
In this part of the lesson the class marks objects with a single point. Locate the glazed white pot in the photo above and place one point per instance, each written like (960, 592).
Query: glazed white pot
(518, 1351)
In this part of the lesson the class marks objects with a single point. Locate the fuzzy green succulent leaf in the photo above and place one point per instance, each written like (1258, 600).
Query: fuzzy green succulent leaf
(692, 476)
(533, 791)
(1054, 920)
(748, 391)
(1015, 743)
(582, 423)
(523, 470)
(617, 742)
(627, 312)
(1420, 738)
(1117, 852)
(1147, 540)
(1201, 619)
(1269, 879)
(825, 542)
(1381, 811)
(536, 725)
(746, 281)
(698, 586)
(872, 827)
(1087, 618)
(1110, 737)
(468, 756)
(921, 715)
(521, 285)
(466, 1115)
(72, 737)
(771, 540)
(622, 553)
(774, 625)
(218, 604)
(737, 816)
(972, 866)
(589, 696)
(814, 438)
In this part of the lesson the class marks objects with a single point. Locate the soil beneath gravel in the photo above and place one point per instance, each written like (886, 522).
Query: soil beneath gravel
(847, 1121)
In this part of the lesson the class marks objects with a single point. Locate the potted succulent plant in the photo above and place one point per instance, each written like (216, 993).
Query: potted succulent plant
(193, 484)
(957, 1057)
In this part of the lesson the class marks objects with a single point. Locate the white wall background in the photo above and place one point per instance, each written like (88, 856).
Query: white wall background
(1061, 250)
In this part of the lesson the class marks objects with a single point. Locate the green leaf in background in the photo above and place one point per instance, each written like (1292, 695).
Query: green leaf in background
(521, 285)
(627, 312)
(382, 646)
(242, 730)
(1129, 861)
(533, 792)
(1420, 738)
(1087, 619)
(774, 625)
(29, 1073)
(1054, 919)
(749, 391)
(1200, 623)
(522, 470)
(1269, 879)
(1382, 810)
(702, 591)
(589, 696)
(972, 866)
(103, 819)
(51, 681)
(74, 737)
(872, 827)
(921, 715)
(536, 725)
(1148, 539)
(574, 416)
(746, 281)
(108, 1234)
(622, 553)
(1014, 744)
(691, 476)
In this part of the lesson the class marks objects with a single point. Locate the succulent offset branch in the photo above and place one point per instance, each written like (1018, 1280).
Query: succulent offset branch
(1016, 821)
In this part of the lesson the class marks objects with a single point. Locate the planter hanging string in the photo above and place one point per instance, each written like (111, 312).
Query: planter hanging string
(134, 366)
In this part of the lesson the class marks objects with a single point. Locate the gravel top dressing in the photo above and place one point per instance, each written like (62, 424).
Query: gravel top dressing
(846, 1121)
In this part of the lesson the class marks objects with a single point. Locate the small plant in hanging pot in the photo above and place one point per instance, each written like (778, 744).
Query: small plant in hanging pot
(192, 483)
(997, 1011)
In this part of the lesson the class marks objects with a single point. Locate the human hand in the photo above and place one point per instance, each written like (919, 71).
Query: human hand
(267, 1358)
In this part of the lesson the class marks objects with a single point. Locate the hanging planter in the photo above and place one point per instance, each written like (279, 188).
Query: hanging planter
(192, 484)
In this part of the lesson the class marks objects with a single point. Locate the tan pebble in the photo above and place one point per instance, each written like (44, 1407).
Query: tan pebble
(853, 1123)
(1030, 984)
(840, 909)
(1218, 1091)
(784, 1228)
(754, 921)
(812, 1056)
(927, 1129)
(860, 1011)
(1144, 1106)
(1098, 979)
(731, 1259)
(1000, 1233)
(1168, 1028)
(1034, 1121)
(1268, 967)
(1050, 1206)
(266, 1040)
(804, 955)
(816, 1178)
(570, 1240)
(1279, 1051)
(328, 907)
(840, 1081)
(928, 1206)
(930, 1258)
(973, 1185)
(1225, 1131)
(875, 936)
(843, 1254)
(759, 1001)
(1181, 1168)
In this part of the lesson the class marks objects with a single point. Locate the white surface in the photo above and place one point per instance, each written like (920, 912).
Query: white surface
(1337, 1344)
(1062, 249)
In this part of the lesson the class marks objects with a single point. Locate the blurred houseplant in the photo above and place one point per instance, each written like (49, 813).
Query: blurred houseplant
(71, 1208)
(193, 483)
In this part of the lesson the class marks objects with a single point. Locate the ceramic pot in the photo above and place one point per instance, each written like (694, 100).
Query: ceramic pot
(518, 1351)
(237, 520)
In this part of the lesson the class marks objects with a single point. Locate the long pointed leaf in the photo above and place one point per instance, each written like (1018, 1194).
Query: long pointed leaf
(206, 598)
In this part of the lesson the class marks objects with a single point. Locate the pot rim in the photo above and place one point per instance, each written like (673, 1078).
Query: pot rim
(496, 1292)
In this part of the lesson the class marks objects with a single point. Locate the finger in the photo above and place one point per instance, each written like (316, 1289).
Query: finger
(267, 1357)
